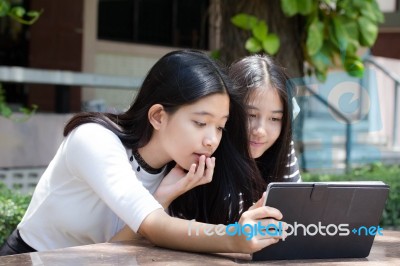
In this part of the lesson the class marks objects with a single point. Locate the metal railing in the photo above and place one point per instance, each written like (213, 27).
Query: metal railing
(64, 80)
(396, 81)
(348, 122)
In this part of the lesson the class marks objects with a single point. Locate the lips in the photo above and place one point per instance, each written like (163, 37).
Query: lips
(256, 143)
(207, 154)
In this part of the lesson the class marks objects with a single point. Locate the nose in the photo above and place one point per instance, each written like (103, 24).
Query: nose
(258, 129)
(211, 140)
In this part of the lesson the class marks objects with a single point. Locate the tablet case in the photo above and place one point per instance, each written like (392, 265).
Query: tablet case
(357, 204)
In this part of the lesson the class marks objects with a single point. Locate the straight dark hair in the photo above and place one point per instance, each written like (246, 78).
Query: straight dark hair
(259, 72)
(180, 78)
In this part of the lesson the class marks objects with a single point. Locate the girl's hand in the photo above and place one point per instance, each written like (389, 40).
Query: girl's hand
(177, 181)
(256, 238)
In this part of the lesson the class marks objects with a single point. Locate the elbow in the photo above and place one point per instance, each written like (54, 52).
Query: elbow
(152, 226)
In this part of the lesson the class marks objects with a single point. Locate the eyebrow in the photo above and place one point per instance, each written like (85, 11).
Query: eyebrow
(208, 114)
(278, 112)
(255, 108)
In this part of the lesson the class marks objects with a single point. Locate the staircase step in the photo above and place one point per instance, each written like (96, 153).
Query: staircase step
(340, 141)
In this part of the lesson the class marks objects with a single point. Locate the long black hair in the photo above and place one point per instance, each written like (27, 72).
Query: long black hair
(259, 72)
(180, 78)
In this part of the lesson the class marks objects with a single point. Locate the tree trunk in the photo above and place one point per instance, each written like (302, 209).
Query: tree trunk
(289, 30)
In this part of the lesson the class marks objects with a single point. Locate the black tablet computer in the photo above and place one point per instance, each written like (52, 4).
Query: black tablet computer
(326, 219)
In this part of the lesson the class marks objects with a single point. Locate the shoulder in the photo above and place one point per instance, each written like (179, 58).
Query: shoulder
(89, 129)
(91, 146)
(92, 132)
(92, 138)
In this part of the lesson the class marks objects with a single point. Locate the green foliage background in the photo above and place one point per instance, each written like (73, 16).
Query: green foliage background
(335, 31)
(374, 172)
(12, 9)
(12, 208)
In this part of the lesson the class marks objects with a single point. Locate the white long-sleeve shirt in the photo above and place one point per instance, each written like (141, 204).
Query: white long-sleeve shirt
(88, 192)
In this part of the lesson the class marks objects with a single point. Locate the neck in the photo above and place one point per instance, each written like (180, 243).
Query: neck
(153, 155)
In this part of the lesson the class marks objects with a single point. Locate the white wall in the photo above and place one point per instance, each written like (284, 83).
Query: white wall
(32, 143)
(114, 58)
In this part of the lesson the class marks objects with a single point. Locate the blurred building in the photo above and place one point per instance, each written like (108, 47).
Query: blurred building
(125, 38)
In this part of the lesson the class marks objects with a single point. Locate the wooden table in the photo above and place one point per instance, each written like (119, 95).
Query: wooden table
(385, 251)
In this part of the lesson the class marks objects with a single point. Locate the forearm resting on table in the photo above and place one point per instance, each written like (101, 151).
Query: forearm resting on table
(170, 232)
(174, 233)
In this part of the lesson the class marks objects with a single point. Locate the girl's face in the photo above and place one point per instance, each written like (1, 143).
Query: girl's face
(265, 111)
(195, 129)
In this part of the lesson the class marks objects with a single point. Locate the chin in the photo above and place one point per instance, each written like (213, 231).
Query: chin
(185, 166)
(256, 155)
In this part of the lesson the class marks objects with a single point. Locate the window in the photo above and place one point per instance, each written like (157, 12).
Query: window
(13, 52)
(178, 23)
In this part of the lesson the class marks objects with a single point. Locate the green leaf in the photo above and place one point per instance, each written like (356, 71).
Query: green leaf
(305, 7)
(244, 21)
(360, 4)
(5, 110)
(321, 60)
(293, 7)
(369, 31)
(351, 28)
(354, 67)
(271, 44)
(321, 76)
(253, 45)
(380, 18)
(289, 7)
(344, 5)
(344, 35)
(341, 40)
(18, 11)
(260, 30)
(331, 34)
(368, 13)
(372, 12)
(315, 38)
(351, 13)
(4, 8)
(352, 47)
(29, 111)
(33, 14)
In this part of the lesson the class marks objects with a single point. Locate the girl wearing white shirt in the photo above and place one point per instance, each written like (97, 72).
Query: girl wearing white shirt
(186, 116)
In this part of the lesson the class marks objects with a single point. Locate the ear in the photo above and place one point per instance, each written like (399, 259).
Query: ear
(156, 115)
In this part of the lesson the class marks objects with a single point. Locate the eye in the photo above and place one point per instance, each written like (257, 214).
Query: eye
(275, 119)
(199, 124)
(252, 115)
(221, 129)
